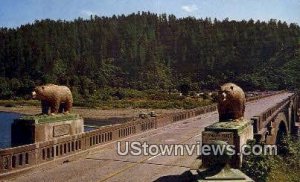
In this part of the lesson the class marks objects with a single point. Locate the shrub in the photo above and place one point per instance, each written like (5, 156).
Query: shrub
(131, 93)
(286, 167)
(283, 167)
(9, 105)
(256, 166)
(185, 88)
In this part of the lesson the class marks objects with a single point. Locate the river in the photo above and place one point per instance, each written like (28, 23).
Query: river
(6, 119)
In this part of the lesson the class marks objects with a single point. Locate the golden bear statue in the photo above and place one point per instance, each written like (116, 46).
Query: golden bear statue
(231, 102)
(58, 98)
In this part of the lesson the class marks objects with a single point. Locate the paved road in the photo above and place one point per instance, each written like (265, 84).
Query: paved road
(106, 165)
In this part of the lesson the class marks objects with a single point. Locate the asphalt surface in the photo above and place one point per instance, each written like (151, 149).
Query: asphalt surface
(106, 165)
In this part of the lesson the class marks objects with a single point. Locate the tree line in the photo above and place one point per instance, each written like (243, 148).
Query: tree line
(148, 51)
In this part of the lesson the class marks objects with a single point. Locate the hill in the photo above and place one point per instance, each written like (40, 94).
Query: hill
(149, 51)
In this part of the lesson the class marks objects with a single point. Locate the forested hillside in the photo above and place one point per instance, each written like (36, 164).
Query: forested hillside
(149, 51)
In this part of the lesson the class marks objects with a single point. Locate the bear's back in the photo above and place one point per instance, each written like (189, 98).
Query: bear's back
(53, 90)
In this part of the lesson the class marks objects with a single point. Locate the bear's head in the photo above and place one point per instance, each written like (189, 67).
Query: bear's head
(40, 92)
(227, 92)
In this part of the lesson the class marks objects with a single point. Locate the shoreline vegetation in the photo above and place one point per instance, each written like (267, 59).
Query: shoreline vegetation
(186, 103)
(112, 108)
(281, 167)
(93, 116)
(123, 103)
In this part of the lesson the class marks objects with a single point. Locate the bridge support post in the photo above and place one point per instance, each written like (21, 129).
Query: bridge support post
(297, 130)
(231, 136)
(40, 128)
(297, 123)
(235, 134)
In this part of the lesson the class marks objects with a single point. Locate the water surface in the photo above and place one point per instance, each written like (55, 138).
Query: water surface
(6, 119)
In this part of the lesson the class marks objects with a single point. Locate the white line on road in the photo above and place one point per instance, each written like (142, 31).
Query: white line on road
(198, 135)
(154, 156)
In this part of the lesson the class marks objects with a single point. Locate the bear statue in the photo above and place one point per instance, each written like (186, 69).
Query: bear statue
(58, 98)
(231, 102)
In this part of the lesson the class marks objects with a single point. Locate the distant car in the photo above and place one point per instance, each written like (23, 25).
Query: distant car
(249, 95)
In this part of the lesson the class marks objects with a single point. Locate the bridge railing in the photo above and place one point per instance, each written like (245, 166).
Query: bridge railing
(249, 99)
(26, 156)
(262, 120)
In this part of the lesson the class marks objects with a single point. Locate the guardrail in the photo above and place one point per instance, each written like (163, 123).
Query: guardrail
(22, 157)
(262, 120)
(28, 155)
(249, 99)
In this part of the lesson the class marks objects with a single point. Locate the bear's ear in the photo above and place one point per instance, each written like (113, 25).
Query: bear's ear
(231, 87)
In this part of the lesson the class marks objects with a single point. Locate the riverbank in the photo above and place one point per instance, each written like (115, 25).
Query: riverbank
(94, 116)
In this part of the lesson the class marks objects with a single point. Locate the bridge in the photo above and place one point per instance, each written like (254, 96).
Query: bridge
(92, 156)
(277, 120)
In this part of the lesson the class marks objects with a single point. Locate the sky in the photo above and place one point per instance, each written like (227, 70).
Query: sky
(14, 13)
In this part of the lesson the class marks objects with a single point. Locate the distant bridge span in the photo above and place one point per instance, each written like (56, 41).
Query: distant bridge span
(92, 156)
(277, 120)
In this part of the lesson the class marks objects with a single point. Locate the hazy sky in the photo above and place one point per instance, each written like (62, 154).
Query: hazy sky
(14, 13)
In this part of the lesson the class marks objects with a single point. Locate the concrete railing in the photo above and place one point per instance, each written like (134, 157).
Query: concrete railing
(24, 157)
(16, 158)
(261, 121)
(249, 99)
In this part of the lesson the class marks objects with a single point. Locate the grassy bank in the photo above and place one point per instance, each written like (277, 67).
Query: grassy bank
(282, 167)
(127, 98)
(19, 102)
(114, 104)
(286, 166)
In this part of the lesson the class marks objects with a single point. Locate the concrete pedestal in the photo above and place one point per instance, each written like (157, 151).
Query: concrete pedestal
(32, 129)
(235, 133)
(224, 175)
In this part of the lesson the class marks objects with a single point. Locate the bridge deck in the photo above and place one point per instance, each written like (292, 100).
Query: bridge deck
(106, 165)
